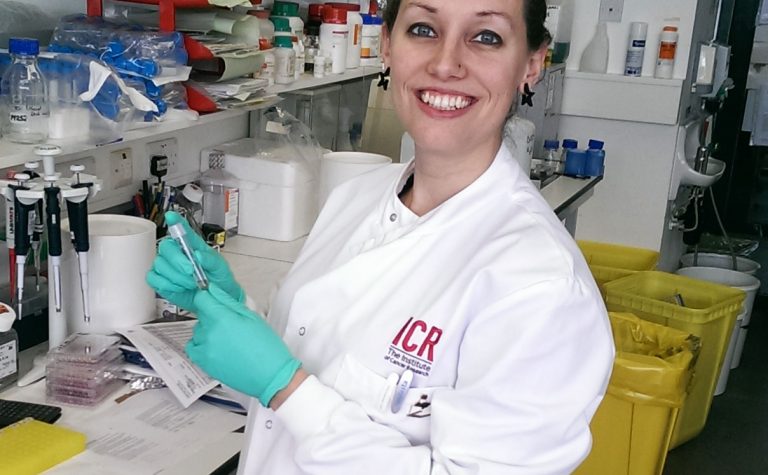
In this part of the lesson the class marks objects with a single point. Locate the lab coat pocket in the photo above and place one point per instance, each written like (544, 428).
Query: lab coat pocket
(356, 382)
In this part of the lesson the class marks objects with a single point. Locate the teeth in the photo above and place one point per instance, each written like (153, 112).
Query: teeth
(444, 102)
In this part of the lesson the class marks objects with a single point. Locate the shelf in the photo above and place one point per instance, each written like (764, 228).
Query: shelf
(308, 81)
(618, 97)
(13, 154)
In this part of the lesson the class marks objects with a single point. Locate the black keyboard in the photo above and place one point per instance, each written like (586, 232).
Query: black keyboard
(14, 411)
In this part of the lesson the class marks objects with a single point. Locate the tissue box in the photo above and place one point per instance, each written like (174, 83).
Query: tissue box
(278, 191)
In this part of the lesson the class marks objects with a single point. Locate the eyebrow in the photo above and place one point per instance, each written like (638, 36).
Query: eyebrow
(424, 6)
(491, 13)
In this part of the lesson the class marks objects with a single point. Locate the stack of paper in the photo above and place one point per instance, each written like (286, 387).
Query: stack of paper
(238, 92)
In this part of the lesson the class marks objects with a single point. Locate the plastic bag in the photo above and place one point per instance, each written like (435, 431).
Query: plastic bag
(283, 135)
(653, 364)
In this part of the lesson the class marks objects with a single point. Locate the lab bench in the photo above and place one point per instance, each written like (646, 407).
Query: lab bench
(258, 265)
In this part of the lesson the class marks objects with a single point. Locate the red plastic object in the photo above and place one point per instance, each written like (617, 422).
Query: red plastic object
(198, 100)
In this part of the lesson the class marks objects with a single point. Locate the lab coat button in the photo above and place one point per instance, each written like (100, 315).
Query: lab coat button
(393, 217)
(302, 331)
(268, 424)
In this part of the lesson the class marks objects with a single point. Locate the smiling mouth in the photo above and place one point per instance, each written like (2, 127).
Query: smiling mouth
(445, 102)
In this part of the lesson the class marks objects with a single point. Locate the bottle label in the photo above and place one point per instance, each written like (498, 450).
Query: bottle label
(8, 358)
(552, 19)
(231, 208)
(18, 118)
(667, 50)
(638, 43)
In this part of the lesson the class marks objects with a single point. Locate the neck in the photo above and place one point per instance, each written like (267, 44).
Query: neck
(439, 175)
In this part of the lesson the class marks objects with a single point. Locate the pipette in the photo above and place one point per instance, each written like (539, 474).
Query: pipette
(37, 230)
(179, 234)
(53, 221)
(77, 208)
(10, 234)
(23, 208)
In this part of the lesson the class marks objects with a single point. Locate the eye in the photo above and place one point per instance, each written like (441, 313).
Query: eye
(422, 30)
(488, 38)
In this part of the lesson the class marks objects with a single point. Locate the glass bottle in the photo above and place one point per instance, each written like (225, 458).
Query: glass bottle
(24, 94)
(221, 195)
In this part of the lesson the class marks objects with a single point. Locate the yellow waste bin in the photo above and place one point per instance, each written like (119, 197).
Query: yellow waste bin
(609, 262)
(632, 428)
(701, 308)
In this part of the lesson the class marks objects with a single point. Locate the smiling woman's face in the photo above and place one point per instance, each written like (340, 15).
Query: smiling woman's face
(455, 68)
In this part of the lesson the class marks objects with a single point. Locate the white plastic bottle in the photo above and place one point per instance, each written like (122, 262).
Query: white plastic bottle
(519, 137)
(594, 59)
(559, 22)
(333, 38)
(369, 51)
(633, 65)
(268, 68)
(355, 37)
(665, 64)
(285, 60)
(24, 95)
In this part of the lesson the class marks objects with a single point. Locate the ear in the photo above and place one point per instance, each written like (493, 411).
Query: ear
(385, 45)
(534, 67)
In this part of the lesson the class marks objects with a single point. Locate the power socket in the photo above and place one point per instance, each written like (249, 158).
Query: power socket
(121, 167)
(167, 148)
(611, 10)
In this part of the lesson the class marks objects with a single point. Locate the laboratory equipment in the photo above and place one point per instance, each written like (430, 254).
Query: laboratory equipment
(559, 22)
(122, 249)
(595, 162)
(53, 222)
(37, 224)
(665, 64)
(285, 60)
(278, 189)
(552, 158)
(77, 209)
(83, 369)
(12, 412)
(9, 348)
(178, 233)
(221, 196)
(24, 94)
(24, 205)
(371, 42)
(333, 38)
(32, 446)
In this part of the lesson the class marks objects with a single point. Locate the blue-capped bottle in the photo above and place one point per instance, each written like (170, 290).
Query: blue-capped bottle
(595, 162)
(575, 159)
(24, 94)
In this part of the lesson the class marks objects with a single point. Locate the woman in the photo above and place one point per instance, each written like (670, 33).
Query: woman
(439, 318)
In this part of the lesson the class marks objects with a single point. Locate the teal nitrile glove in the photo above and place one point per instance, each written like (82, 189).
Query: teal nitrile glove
(172, 276)
(238, 347)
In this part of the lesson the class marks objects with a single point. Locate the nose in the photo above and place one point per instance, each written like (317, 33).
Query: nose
(447, 60)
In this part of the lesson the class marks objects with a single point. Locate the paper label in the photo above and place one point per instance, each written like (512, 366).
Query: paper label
(276, 128)
(231, 207)
(552, 19)
(8, 359)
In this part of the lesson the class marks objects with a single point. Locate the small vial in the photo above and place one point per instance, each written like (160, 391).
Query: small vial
(179, 234)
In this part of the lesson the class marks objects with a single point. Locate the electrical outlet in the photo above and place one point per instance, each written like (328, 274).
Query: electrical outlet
(121, 167)
(168, 148)
(611, 10)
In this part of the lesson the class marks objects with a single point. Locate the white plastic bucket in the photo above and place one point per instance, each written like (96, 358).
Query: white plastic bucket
(749, 284)
(122, 249)
(338, 167)
(723, 261)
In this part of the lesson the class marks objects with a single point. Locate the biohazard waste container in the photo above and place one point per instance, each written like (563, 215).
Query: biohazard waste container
(704, 309)
(609, 262)
(632, 428)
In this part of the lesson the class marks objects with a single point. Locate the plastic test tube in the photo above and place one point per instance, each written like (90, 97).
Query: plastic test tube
(178, 233)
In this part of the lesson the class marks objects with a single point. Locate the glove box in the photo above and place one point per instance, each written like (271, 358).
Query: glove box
(278, 191)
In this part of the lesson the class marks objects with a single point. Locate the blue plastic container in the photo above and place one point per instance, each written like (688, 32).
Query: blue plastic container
(575, 162)
(595, 161)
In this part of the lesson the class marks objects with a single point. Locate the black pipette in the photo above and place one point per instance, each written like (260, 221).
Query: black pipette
(53, 222)
(37, 230)
(78, 226)
(22, 237)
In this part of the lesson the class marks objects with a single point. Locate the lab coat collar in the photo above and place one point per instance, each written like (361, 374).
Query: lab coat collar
(502, 175)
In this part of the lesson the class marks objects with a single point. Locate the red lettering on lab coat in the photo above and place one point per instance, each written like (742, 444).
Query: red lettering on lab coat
(416, 334)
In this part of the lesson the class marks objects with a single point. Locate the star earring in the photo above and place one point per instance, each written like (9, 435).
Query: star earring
(383, 79)
(527, 98)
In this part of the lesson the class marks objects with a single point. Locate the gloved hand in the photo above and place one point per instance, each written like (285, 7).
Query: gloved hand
(172, 275)
(238, 347)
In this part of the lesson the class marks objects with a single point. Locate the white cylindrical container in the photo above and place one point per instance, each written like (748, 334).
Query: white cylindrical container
(338, 167)
(333, 38)
(723, 261)
(268, 67)
(665, 64)
(285, 60)
(519, 137)
(749, 284)
(594, 59)
(122, 249)
(370, 44)
(638, 31)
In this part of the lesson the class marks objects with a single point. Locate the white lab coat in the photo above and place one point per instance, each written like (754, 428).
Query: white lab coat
(486, 298)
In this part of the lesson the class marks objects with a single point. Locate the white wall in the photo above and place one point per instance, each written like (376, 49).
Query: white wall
(57, 8)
